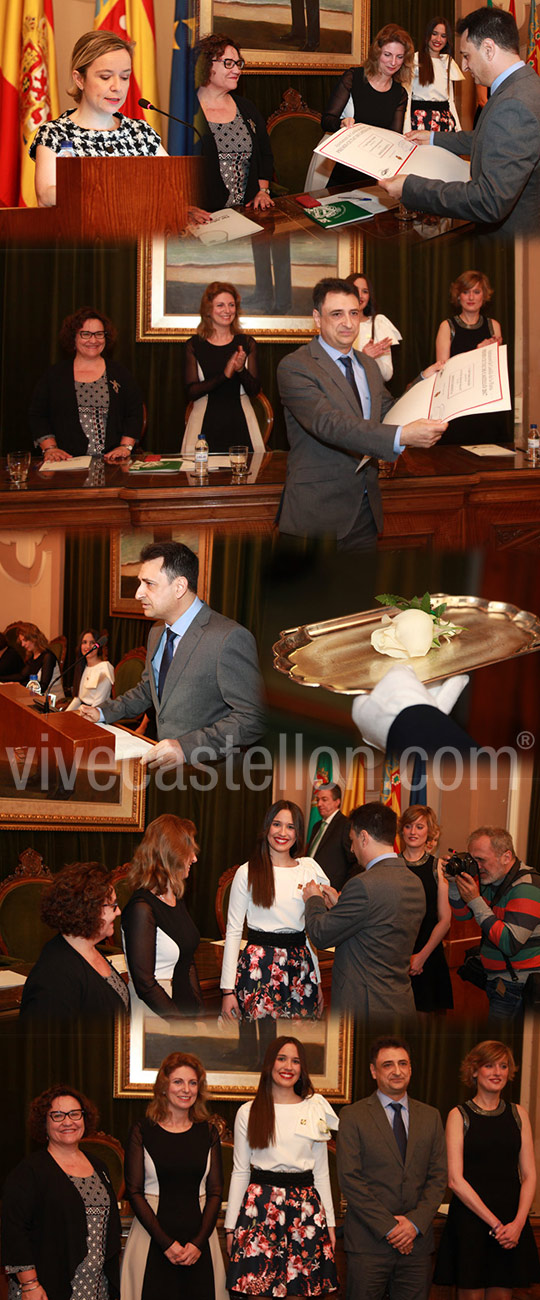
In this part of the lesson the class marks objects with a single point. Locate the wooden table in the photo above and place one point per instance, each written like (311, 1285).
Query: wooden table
(445, 498)
(287, 215)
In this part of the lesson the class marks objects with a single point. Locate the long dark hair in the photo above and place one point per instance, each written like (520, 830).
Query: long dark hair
(81, 663)
(260, 873)
(371, 307)
(262, 1120)
(426, 72)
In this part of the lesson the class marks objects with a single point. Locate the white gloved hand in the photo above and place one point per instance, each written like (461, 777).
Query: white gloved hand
(398, 690)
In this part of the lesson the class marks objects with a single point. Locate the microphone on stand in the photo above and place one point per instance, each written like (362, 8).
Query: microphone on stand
(145, 103)
(45, 707)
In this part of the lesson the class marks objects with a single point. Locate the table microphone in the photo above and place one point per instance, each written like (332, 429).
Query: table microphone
(45, 707)
(145, 103)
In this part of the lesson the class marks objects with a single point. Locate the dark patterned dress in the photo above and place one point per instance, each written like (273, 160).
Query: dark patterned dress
(131, 139)
(468, 1256)
(89, 1281)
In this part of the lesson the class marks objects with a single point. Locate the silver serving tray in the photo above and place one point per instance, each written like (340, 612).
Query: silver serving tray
(338, 654)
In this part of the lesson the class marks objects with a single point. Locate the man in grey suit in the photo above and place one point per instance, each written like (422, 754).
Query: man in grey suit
(372, 924)
(504, 148)
(330, 840)
(201, 673)
(391, 1163)
(335, 401)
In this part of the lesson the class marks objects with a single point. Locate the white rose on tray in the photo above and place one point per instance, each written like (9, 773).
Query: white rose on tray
(414, 631)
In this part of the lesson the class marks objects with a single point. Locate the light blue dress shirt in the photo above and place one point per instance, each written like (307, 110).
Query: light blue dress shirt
(381, 858)
(386, 1103)
(179, 628)
(361, 384)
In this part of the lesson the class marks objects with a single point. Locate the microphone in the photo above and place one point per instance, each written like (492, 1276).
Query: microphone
(145, 103)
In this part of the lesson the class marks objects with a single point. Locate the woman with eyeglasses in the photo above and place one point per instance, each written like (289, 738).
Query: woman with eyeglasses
(71, 976)
(101, 66)
(60, 1222)
(235, 144)
(87, 404)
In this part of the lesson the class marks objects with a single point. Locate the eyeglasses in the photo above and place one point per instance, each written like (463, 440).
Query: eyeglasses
(92, 334)
(58, 1115)
(231, 63)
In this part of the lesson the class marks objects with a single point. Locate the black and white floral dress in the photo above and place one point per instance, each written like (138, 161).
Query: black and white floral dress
(130, 138)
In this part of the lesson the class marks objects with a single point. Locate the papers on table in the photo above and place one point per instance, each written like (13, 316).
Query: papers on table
(333, 212)
(224, 226)
(385, 154)
(10, 980)
(470, 383)
(488, 449)
(159, 465)
(76, 462)
(126, 744)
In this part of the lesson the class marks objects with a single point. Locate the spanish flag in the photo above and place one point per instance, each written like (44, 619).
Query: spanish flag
(28, 93)
(134, 20)
(533, 43)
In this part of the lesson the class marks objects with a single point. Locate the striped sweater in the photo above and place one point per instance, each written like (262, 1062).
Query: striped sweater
(510, 929)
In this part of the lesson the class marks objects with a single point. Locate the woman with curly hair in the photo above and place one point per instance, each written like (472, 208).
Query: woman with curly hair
(280, 1217)
(487, 1247)
(71, 976)
(431, 105)
(40, 664)
(277, 974)
(87, 404)
(174, 1183)
(374, 94)
(60, 1221)
(160, 939)
(93, 678)
(221, 374)
(419, 833)
(101, 65)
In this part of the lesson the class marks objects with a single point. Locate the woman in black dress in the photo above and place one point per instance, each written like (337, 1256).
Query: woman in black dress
(174, 1184)
(470, 327)
(60, 1221)
(159, 937)
(487, 1246)
(221, 375)
(419, 832)
(374, 94)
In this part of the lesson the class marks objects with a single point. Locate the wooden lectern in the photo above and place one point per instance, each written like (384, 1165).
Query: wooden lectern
(23, 726)
(110, 199)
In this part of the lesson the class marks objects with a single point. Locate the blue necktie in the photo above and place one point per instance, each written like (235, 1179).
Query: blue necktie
(166, 661)
(400, 1132)
(347, 364)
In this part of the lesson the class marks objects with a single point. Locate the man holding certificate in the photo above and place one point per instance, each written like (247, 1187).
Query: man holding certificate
(335, 402)
(504, 189)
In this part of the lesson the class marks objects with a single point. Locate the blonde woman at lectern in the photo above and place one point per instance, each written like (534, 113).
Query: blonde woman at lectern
(101, 66)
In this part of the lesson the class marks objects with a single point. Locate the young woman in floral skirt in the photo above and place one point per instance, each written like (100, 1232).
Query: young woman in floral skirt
(280, 1217)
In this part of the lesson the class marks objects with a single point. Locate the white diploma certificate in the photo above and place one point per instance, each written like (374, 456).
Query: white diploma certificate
(385, 154)
(472, 382)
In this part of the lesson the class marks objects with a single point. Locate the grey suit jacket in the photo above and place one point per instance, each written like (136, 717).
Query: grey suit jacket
(377, 1183)
(334, 853)
(328, 438)
(373, 926)
(504, 189)
(213, 691)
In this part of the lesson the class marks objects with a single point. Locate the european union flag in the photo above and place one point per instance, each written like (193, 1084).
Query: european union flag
(182, 100)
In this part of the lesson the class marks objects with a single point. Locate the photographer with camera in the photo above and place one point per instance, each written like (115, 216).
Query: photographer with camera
(490, 884)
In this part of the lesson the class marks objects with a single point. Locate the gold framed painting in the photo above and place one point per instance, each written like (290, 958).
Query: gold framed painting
(125, 549)
(108, 799)
(310, 36)
(232, 1073)
(276, 297)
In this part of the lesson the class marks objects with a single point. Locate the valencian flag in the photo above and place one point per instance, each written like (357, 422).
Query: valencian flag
(533, 42)
(134, 21)
(28, 93)
(323, 776)
(182, 98)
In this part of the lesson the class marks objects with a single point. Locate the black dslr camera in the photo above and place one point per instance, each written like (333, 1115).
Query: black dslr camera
(460, 863)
